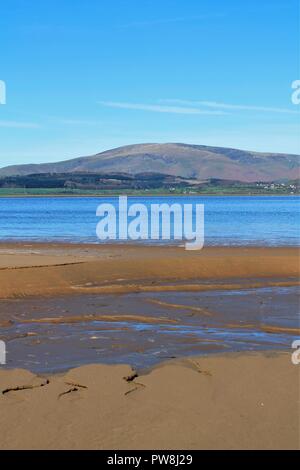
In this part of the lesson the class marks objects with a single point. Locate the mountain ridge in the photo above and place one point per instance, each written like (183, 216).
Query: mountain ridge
(176, 159)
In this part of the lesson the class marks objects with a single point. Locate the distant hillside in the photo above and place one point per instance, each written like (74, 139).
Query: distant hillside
(187, 161)
(140, 184)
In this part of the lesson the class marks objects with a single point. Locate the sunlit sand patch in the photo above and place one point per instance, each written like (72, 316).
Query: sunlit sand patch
(178, 287)
(200, 310)
(106, 318)
(267, 328)
(280, 329)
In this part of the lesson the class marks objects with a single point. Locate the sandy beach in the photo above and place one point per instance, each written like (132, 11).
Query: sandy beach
(56, 269)
(227, 400)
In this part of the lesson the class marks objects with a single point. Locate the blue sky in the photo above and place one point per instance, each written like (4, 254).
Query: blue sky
(86, 76)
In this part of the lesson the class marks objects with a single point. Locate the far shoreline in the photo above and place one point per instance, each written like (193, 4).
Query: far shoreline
(105, 196)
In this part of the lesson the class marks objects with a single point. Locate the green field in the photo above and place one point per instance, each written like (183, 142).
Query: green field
(206, 190)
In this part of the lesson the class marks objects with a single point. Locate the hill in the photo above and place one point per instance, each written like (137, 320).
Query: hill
(180, 160)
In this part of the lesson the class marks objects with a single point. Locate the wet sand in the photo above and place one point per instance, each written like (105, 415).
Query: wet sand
(68, 305)
(142, 329)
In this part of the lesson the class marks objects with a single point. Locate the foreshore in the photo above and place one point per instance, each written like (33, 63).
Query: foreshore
(33, 269)
(246, 400)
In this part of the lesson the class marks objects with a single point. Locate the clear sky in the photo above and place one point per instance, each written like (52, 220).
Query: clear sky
(86, 76)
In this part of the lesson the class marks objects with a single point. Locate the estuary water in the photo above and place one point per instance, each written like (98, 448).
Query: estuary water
(229, 220)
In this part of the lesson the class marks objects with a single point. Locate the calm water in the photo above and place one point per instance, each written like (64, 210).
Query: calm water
(228, 220)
